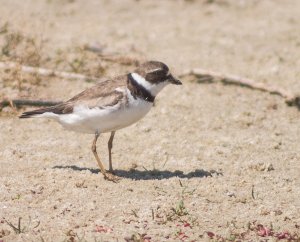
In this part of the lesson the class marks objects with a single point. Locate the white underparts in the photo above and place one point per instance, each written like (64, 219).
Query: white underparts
(111, 118)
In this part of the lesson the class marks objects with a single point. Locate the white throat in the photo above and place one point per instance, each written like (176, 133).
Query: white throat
(154, 89)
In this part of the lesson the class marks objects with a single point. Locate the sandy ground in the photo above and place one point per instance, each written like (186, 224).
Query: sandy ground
(208, 162)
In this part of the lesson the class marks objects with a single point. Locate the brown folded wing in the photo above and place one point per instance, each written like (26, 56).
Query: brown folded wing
(101, 95)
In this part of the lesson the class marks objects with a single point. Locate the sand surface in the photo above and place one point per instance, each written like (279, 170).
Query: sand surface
(208, 162)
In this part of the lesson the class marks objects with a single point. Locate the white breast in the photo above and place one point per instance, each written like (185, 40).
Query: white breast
(123, 114)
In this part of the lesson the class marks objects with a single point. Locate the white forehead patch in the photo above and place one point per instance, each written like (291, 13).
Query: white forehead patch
(154, 70)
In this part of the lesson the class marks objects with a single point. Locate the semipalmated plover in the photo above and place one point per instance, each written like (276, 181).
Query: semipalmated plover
(110, 105)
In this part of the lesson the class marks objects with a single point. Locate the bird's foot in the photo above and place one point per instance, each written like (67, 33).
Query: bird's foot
(111, 177)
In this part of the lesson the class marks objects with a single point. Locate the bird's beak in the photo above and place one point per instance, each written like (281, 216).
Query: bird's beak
(173, 80)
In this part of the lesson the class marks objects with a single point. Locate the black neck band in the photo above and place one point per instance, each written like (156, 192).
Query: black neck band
(139, 90)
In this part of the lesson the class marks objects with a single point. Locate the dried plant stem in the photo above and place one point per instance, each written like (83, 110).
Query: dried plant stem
(46, 72)
(25, 102)
(206, 75)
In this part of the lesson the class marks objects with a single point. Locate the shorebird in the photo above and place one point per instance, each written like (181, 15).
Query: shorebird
(110, 105)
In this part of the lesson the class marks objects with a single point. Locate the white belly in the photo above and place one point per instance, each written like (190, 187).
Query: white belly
(104, 120)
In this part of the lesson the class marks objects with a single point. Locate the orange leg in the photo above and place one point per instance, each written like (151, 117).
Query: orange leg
(110, 145)
(107, 175)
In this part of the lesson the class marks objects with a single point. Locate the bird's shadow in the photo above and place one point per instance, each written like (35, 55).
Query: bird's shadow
(149, 174)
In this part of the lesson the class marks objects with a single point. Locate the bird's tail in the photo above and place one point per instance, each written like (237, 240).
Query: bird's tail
(37, 112)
